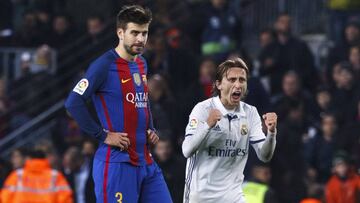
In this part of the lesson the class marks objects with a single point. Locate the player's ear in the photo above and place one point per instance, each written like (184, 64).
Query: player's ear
(218, 84)
(120, 33)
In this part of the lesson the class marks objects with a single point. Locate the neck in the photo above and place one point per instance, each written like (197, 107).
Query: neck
(227, 105)
(120, 50)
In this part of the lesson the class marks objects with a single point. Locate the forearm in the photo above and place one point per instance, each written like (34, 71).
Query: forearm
(193, 141)
(78, 110)
(268, 148)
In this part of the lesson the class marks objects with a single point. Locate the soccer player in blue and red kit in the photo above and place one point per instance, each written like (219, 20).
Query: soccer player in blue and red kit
(124, 170)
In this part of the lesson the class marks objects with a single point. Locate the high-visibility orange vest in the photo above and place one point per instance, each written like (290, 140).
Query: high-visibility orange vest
(36, 183)
(310, 200)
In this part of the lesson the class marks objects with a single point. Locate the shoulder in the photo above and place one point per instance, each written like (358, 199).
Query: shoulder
(249, 109)
(202, 108)
(105, 59)
(204, 104)
(13, 177)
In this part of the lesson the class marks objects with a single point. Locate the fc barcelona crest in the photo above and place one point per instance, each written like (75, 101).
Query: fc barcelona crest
(144, 79)
(137, 79)
(244, 130)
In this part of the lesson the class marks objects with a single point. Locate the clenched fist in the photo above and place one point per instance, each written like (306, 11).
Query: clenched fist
(270, 121)
(214, 116)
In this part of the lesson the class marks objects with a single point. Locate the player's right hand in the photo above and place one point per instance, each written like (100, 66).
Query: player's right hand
(117, 139)
(214, 116)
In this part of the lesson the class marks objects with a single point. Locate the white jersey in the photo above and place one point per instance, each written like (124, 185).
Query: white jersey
(217, 156)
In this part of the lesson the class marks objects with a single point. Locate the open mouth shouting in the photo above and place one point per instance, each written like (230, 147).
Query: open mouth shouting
(236, 96)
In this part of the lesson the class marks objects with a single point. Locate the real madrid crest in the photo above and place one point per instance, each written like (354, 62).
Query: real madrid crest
(244, 130)
(137, 79)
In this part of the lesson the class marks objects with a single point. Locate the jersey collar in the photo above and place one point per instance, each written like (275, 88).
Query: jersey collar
(238, 111)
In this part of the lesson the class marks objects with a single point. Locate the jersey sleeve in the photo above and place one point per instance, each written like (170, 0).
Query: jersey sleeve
(94, 78)
(256, 133)
(196, 130)
(263, 146)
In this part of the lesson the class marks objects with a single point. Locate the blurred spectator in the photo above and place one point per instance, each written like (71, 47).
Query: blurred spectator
(354, 58)
(201, 89)
(31, 92)
(62, 32)
(340, 13)
(176, 64)
(172, 166)
(47, 147)
(221, 30)
(341, 50)
(29, 34)
(314, 194)
(81, 10)
(45, 21)
(343, 185)
(295, 54)
(324, 103)
(346, 91)
(258, 189)
(319, 149)
(36, 182)
(288, 164)
(89, 147)
(162, 105)
(292, 90)
(18, 158)
(269, 59)
(350, 140)
(77, 171)
(169, 13)
(95, 28)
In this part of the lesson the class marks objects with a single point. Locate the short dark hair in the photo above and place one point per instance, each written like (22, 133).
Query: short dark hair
(223, 68)
(133, 14)
(37, 154)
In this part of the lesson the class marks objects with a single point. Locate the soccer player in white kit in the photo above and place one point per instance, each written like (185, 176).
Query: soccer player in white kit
(217, 139)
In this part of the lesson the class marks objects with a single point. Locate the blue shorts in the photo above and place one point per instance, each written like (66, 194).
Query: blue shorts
(126, 183)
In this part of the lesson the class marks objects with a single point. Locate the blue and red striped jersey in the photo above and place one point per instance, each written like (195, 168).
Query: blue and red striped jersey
(118, 89)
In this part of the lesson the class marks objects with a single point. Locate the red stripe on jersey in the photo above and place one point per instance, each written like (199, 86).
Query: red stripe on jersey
(130, 111)
(141, 66)
(106, 170)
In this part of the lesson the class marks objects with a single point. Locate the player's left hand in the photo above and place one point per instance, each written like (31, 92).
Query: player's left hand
(270, 121)
(152, 137)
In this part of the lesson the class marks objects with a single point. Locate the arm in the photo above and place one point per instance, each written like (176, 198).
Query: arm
(8, 190)
(76, 102)
(63, 190)
(264, 147)
(198, 128)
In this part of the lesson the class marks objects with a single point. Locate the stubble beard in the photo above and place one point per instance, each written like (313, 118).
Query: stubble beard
(129, 51)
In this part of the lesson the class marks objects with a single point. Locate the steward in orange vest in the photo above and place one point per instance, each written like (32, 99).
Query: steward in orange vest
(36, 183)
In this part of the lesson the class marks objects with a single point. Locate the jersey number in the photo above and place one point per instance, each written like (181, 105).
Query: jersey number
(119, 197)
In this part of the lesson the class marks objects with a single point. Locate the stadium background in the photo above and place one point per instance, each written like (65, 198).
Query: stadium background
(311, 80)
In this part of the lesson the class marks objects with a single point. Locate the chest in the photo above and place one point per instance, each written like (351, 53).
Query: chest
(127, 83)
(228, 133)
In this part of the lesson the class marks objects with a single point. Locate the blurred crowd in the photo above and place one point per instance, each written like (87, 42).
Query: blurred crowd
(318, 144)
